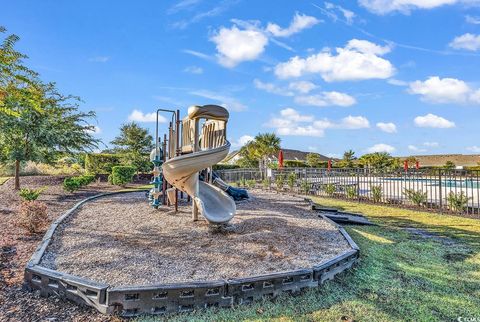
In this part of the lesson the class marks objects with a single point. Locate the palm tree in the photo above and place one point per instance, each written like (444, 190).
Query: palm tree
(348, 157)
(265, 145)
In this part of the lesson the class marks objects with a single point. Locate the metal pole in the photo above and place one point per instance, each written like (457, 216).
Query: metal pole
(177, 139)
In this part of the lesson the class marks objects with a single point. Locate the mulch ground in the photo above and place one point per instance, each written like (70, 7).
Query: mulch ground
(16, 248)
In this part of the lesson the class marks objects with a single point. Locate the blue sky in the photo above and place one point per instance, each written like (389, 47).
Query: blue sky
(400, 76)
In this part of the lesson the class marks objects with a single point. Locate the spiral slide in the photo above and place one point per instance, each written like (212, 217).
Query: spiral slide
(214, 204)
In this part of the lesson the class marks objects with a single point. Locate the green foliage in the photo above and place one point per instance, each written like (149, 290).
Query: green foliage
(347, 160)
(377, 193)
(313, 160)
(102, 163)
(71, 184)
(223, 166)
(417, 197)
(31, 194)
(449, 165)
(330, 189)
(379, 161)
(457, 201)
(279, 181)
(351, 192)
(121, 175)
(110, 179)
(251, 183)
(292, 177)
(266, 183)
(242, 182)
(259, 149)
(294, 164)
(306, 186)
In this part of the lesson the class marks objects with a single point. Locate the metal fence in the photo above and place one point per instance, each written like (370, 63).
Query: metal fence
(439, 190)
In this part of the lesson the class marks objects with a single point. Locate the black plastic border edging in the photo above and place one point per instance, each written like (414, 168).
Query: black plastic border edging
(176, 297)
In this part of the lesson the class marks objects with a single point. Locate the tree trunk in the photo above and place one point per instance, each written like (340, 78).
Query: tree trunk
(17, 174)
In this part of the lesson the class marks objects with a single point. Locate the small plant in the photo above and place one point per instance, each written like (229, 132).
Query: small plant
(417, 197)
(31, 194)
(32, 216)
(377, 193)
(457, 202)
(330, 189)
(110, 179)
(306, 186)
(71, 184)
(266, 183)
(279, 181)
(291, 180)
(121, 175)
(251, 183)
(243, 182)
(351, 192)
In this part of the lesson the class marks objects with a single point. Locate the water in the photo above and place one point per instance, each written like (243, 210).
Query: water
(464, 183)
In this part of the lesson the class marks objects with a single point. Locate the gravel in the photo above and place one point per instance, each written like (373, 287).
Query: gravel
(121, 240)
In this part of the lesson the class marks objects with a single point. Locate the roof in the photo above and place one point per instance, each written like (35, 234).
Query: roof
(441, 159)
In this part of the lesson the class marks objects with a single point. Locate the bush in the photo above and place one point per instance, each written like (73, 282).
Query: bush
(292, 177)
(294, 164)
(418, 198)
(102, 163)
(110, 179)
(121, 175)
(31, 194)
(351, 192)
(279, 181)
(71, 184)
(306, 186)
(266, 183)
(330, 189)
(251, 183)
(32, 216)
(220, 166)
(457, 202)
(86, 179)
(376, 193)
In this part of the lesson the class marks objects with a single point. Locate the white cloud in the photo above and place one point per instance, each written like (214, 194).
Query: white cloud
(347, 14)
(139, 116)
(474, 149)
(235, 46)
(291, 122)
(381, 147)
(467, 41)
(193, 70)
(244, 139)
(303, 87)
(387, 127)
(272, 88)
(99, 59)
(298, 23)
(95, 130)
(224, 100)
(326, 99)
(445, 90)
(182, 5)
(197, 54)
(434, 121)
(396, 82)
(405, 6)
(358, 60)
(415, 148)
(474, 20)
(431, 144)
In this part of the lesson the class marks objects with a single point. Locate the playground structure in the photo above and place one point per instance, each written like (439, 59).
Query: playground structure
(193, 145)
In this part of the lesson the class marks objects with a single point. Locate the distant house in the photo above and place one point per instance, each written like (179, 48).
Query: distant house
(460, 160)
(288, 154)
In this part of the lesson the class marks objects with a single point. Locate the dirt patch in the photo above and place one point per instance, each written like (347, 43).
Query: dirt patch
(417, 232)
(120, 240)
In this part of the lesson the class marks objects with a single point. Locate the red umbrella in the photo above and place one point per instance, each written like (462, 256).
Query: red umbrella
(280, 159)
(405, 165)
(417, 165)
(329, 165)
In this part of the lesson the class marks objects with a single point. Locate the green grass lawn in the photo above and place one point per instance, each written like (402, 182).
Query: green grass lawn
(430, 273)
(3, 180)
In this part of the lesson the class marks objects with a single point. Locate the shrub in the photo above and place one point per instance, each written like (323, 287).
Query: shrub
(294, 164)
(279, 181)
(110, 179)
(251, 183)
(306, 186)
(32, 216)
(376, 193)
(457, 202)
(330, 189)
(266, 183)
(86, 179)
(71, 184)
(31, 194)
(221, 166)
(292, 177)
(102, 163)
(121, 175)
(351, 192)
(417, 197)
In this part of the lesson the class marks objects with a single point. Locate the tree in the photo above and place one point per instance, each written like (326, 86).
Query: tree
(135, 143)
(260, 148)
(379, 161)
(449, 165)
(347, 160)
(43, 125)
(313, 159)
(16, 80)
